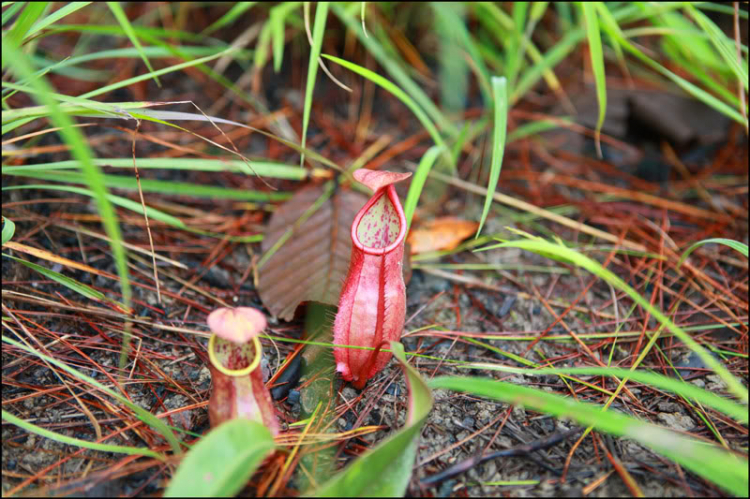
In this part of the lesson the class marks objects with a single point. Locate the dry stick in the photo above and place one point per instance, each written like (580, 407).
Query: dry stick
(626, 477)
(541, 212)
(521, 450)
(145, 213)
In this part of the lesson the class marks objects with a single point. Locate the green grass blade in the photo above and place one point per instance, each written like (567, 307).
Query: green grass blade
(500, 94)
(735, 245)
(165, 187)
(721, 43)
(417, 183)
(398, 93)
(267, 169)
(321, 15)
(126, 203)
(385, 470)
(11, 11)
(453, 70)
(154, 74)
(141, 413)
(56, 16)
(393, 69)
(708, 461)
(687, 390)
(9, 228)
(565, 254)
(614, 30)
(276, 22)
(597, 66)
(30, 14)
(82, 153)
(64, 439)
(236, 11)
(551, 58)
(68, 282)
(223, 461)
(122, 18)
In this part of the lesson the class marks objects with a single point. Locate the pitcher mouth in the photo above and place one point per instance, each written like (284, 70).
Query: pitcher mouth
(389, 191)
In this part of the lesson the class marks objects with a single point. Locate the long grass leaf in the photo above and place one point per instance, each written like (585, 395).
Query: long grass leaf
(154, 74)
(393, 69)
(687, 390)
(141, 413)
(500, 95)
(165, 187)
(563, 253)
(321, 15)
(263, 168)
(597, 66)
(721, 42)
(77, 442)
(398, 93)
(30, 14)
(708, 461)
(235, 12)
(612, 27)
(126, 203)
(735, 245)
(68, 282)
(417, 183)
(63, 11)
(82, 153)
(9, 228)
(122, 18)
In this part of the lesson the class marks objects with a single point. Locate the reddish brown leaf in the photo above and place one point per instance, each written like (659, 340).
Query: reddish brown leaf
(440, 234)
(312, 263)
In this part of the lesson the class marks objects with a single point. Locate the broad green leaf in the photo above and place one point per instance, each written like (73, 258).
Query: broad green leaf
(385, 470)
(735, 245)
(9, 228)
(77, 442)
(562, 253)
(223, 461)
(500, 95)
(709, 461)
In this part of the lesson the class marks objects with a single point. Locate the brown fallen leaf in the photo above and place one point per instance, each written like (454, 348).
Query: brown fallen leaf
(312, 263)
(440, 234)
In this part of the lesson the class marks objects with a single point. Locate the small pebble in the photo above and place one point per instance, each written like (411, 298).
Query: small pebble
(293, 396)
(506, 306)
(393, 389)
